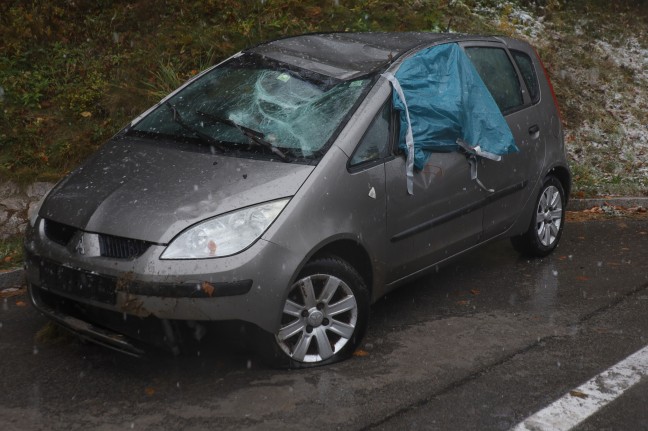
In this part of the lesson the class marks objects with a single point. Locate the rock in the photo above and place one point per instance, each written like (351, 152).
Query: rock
(14, 203)
(38, 190)
(8, 189)
(17, 204)
(14, 226)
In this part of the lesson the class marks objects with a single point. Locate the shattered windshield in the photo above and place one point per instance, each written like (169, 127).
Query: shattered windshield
(255, 104)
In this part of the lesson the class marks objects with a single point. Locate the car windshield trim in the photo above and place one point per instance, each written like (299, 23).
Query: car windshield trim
(255, 60)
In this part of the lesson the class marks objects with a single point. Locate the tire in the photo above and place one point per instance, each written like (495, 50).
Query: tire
(547, 222)
(323, 319)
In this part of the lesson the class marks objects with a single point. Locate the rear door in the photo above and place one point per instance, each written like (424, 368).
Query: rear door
(513, 177)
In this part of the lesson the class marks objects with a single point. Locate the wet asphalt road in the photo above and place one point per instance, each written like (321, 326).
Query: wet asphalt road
(482, 344)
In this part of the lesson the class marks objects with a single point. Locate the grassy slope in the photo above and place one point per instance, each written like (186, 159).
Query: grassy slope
(73, 73)
(599, 57)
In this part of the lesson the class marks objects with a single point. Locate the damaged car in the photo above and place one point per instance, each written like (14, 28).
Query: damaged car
(295, 183)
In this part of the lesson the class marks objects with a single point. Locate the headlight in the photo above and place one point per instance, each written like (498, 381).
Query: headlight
(224, 235)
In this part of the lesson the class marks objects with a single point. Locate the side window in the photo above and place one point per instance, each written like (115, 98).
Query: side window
(525, 64)
(374, 144)
(498, 73)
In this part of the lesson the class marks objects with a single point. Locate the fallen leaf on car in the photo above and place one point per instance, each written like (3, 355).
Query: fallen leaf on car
(208, 288)
(360, 353)
(474, 291)
(149, 391)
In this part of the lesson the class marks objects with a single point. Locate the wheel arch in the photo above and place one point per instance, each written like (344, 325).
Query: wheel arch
(564, 176)
(354, 254)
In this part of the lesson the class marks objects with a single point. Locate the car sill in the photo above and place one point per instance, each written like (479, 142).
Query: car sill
(459, 212)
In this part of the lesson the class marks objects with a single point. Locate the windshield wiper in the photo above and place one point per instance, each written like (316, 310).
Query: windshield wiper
(204, 136)
(253, 136)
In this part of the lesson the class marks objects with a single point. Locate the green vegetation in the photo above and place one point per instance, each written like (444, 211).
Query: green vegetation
(73, 73)
(11, 252)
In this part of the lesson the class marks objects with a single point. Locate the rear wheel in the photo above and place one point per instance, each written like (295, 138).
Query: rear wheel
(546, 226)
(323, 318)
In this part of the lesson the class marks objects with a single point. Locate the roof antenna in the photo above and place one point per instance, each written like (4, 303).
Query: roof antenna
(447, 30)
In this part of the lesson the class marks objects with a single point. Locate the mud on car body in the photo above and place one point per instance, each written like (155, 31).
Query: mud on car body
(295, 183)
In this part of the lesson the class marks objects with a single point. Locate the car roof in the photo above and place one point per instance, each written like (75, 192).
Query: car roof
(352, 55)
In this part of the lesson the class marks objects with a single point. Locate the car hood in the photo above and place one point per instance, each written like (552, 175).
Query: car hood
(151, 191)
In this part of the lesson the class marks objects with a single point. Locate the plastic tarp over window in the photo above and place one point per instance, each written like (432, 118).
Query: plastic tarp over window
(445, 100)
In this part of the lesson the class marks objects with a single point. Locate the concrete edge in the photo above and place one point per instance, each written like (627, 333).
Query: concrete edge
(16, 277)
(12, 278)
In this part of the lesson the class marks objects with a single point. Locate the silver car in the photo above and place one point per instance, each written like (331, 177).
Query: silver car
(279, 189)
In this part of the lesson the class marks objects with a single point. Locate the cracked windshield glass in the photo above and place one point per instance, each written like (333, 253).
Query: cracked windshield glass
(250, 100)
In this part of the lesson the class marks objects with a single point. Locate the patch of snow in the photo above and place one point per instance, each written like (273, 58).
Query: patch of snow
(630, 55)
(614, 142)
(508, 14)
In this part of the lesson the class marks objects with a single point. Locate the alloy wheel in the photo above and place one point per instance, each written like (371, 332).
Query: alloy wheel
(549, 216)
(318, 319)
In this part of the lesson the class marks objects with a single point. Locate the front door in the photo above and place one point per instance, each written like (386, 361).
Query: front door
(441, 218)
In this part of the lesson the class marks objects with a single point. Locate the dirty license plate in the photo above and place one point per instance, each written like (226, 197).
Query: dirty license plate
(74, 282)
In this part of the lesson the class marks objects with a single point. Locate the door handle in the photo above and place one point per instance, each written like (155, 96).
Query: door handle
(534, 129)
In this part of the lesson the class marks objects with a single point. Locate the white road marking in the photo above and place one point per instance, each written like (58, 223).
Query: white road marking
(579, 404)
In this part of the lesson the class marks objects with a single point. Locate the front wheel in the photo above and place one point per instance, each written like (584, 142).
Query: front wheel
(546, 226)
(323, 318)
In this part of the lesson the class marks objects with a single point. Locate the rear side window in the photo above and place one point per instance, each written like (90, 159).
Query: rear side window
(498, 73)
(525, 65)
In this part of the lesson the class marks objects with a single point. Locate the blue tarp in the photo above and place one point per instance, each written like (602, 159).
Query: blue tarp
(447, 100)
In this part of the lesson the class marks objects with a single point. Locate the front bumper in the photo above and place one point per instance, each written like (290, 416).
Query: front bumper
(250, 286)
(88, 331)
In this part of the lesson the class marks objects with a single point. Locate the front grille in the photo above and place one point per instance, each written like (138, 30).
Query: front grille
(109, 246)
(59, 232)
(121, 248)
